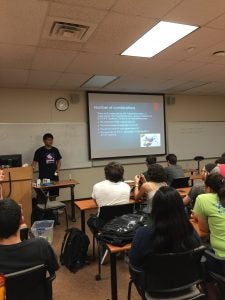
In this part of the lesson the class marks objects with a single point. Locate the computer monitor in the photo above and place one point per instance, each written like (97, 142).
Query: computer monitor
(11, 160)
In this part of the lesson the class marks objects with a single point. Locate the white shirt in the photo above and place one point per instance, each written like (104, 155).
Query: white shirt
(111, 193)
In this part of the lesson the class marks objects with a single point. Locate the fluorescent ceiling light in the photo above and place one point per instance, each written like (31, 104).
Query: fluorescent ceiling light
(98, 81)
(161, 36)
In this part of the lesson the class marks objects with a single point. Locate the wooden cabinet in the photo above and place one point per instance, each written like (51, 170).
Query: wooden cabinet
(17, 185)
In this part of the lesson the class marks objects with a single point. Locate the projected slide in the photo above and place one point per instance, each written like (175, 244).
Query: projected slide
(123, 125)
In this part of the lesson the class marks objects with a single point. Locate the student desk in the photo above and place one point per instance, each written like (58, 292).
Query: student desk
(84, 205)
(62, 184)
(113, 250)
(87, 204)
(195, 177)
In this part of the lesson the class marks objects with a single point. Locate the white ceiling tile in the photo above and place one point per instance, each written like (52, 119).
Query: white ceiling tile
(60, 45)
(52, 59)
(100, 4)
(102, 64)
(117, 32)
(207, 54)
(24, 43)
(16, 56)
(211, 87)
(196, 12)
(177, 69)
(9, 77)
(42, 78)
(22, 22)
(76, 13)
(145, 8)
(207, 72)
(218, 23)
(136, 83)
(152, 68)
(71, 81)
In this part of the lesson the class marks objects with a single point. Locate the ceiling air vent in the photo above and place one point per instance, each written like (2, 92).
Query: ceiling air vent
(68, 30)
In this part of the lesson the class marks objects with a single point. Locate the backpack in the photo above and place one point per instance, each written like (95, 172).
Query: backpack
(121, 230)
(74, 249)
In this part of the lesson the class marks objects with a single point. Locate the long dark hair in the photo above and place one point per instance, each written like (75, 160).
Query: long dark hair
(217, 184)
(172, 230)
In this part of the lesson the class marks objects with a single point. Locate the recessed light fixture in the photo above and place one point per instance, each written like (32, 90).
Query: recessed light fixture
(99, 81)
(219, 53)
(161, 36)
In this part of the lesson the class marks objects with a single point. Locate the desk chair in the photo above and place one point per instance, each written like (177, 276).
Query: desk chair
(171, 276)
(219, 279)
(181, 182)
(29, 284)
(45, 205)
(106, 214)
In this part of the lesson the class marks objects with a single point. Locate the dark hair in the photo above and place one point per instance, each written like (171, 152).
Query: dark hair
(10, 216)
(209, 167)
(47, 136)
(114, 172)
(150, 160)
(220, 160)
(156, 173)
(215, 182)
(223, 155)
(172, 229)
(221, 194)
(172, 159)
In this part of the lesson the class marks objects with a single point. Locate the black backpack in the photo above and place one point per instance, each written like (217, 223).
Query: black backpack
(121, 230)
(74, 249)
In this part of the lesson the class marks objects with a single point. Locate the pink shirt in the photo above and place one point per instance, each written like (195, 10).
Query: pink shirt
(222, 170)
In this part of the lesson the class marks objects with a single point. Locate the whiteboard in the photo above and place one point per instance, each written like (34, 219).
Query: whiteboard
(24, 138)
(189, 139)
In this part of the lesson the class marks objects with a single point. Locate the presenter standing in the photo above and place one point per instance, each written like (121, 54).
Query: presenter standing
(49, 162)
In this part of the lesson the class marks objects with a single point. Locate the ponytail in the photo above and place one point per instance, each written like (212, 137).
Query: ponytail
(215, 182)
(221, 194)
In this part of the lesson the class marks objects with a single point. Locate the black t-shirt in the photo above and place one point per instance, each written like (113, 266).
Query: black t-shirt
(47, 159)
(27, 254)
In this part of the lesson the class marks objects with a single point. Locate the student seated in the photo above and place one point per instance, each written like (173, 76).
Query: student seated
(150, 160)
(209, 212)
(157, 178)
(199, 188)
(170, 231)
(221, 165)
(112, 191)
(173, 170)
(16, 255)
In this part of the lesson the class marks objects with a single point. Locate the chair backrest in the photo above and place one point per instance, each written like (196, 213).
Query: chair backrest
(27, 284)
(181, 182)
(215, 264)
(107, 213)
(173, 271)
(41, 198)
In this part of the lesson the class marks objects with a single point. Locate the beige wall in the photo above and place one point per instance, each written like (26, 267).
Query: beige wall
(20, 105)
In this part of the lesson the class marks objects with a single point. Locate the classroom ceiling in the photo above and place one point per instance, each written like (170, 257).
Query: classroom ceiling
(30, 58)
